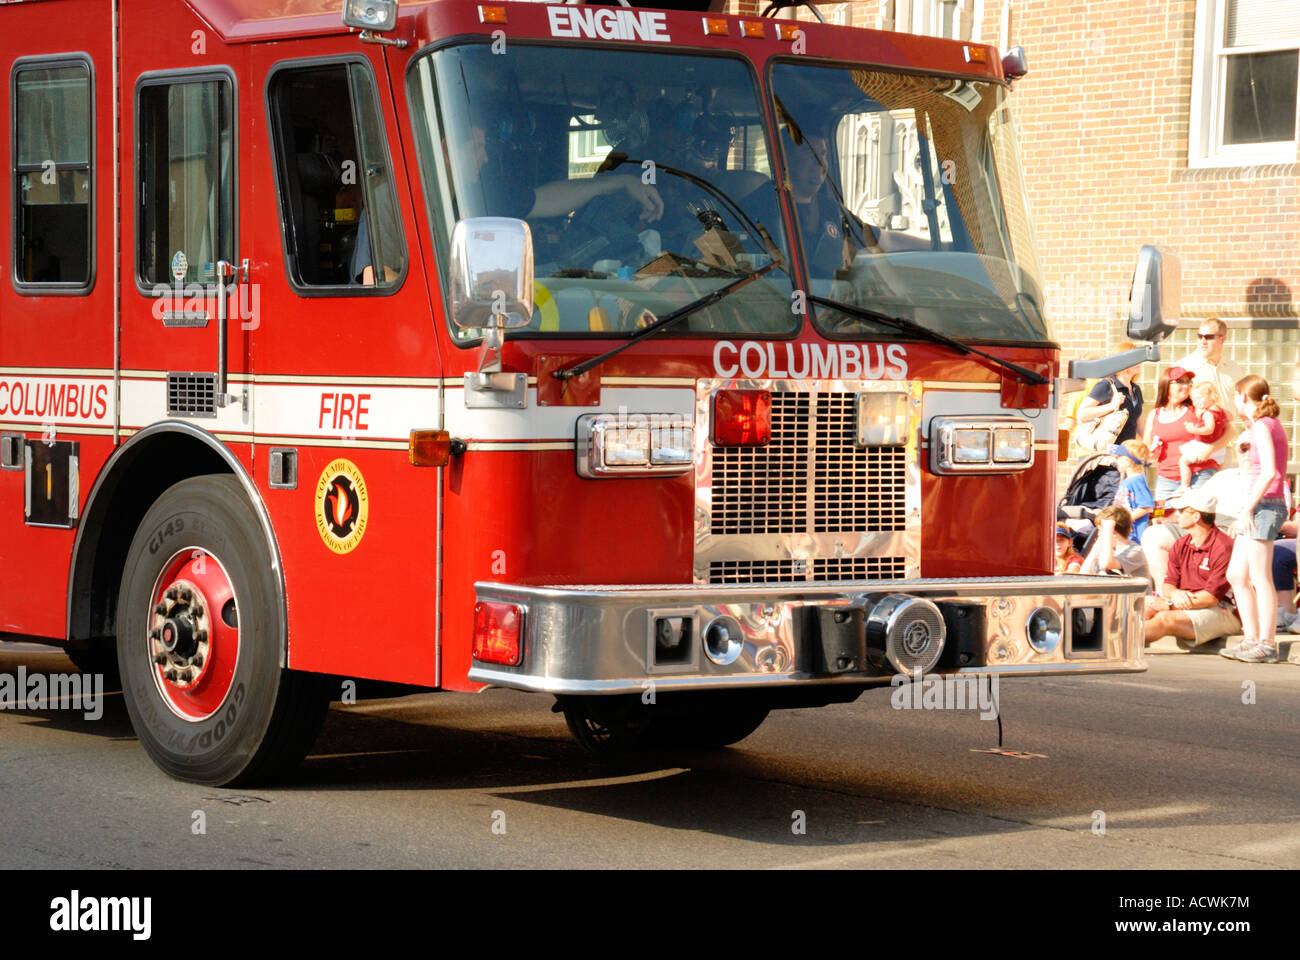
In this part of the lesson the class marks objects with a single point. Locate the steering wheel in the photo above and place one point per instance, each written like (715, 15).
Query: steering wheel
(604, 228)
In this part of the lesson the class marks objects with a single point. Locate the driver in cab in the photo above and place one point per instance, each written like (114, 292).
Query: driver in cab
(822, 224)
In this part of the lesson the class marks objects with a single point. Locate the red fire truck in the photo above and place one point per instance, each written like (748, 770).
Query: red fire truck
(680, 365)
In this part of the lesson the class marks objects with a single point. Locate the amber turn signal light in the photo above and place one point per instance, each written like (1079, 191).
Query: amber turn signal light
(430, 448)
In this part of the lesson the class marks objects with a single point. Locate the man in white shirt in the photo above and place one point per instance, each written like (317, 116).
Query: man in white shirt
(1208, 364)
(1227, 489)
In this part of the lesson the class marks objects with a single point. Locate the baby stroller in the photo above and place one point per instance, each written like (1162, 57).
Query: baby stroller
(1093, 487)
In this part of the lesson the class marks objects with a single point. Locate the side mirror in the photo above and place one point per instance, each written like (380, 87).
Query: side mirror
(1155, 299)
(491, 273)
(377, 15)
(1015, 64)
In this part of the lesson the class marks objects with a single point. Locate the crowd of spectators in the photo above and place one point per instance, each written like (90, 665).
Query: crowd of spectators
(1214, 538)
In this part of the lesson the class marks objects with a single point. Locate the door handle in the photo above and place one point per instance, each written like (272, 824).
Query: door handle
(236, 275)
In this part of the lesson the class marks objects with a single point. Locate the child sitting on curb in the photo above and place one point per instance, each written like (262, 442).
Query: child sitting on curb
(1067, 558)
(1114, 551)
(1132, 457)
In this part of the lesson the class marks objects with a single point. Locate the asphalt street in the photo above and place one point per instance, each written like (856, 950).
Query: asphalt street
(1192, 764)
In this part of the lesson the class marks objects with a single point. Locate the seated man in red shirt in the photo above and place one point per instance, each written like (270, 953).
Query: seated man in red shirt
(1192, 605)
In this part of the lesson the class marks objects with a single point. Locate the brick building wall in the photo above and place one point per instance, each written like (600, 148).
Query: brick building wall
(1104, 119)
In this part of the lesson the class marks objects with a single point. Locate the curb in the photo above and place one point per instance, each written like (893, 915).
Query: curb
(1167, 646)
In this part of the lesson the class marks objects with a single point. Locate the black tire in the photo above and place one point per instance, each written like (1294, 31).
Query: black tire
(608, 728)
(100, 659)
(613, 728)
(266, 718)
(710, 720)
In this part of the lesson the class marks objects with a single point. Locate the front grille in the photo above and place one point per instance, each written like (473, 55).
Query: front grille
(825, 570)
(854, 488)
(191, 395)
(757, 571)
(800, 492)
(859, 568)
(765, 489)
(812, 476)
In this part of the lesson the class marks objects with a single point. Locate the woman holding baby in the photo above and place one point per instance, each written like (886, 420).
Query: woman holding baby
(1184, 436)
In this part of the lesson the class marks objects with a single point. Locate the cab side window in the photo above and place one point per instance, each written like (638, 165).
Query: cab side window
(337, 202)
(53, 180)
(186, 176)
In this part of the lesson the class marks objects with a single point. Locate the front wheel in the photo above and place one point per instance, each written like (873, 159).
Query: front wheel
(709, 720)
(198, 642)
(616, 727)
(607, 728)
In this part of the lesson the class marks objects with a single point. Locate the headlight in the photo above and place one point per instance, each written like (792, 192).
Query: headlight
(970, 446)
(882, 419)
(625, 447)
(980, 444)
(1013, 445)
(636, 444)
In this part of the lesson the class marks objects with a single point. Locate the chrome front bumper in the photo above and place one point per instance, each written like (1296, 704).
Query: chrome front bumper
(601, 639)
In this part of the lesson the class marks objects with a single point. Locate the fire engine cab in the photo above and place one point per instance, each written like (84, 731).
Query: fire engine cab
(680, 365)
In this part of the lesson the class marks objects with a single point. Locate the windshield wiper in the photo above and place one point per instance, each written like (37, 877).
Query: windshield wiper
(663, 323)
(911, 326)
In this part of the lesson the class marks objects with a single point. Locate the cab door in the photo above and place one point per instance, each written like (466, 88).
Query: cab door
(346, 362)
(185, 337)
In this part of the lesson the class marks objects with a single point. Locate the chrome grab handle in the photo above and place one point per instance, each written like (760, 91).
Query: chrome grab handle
(227, 271)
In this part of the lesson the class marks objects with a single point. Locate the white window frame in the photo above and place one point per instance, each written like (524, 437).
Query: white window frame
(925, 17)
(1205, 147)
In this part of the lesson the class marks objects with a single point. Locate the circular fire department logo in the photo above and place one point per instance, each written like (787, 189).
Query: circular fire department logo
(342, 506)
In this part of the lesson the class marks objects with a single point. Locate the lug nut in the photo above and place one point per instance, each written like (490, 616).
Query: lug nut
(160, 658)
(161, 610)
(200, 636)
(155, 634)
(172, 593)
(170, 674)
(185, 594)
(196, 609)
(197, 659)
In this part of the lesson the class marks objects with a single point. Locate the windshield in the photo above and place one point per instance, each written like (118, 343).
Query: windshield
(535, 135)
(909, 201)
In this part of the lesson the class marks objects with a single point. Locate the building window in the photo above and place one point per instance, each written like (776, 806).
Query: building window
(950, 19)
(53, 179)
(1244, 82)
(946, 15)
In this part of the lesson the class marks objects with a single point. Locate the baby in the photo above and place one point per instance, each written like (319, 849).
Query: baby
(1210, 425)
